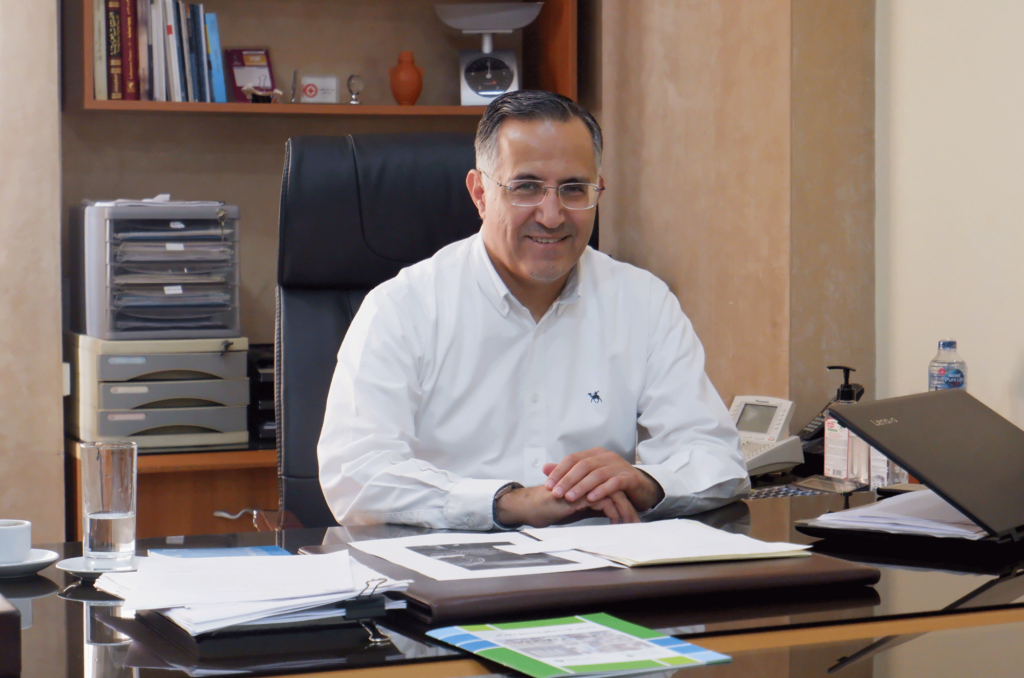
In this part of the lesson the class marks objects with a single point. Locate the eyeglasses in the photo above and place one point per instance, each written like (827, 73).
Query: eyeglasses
(530, 193)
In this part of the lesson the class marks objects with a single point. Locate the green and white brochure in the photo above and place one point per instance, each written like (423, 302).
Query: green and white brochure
(585, 645)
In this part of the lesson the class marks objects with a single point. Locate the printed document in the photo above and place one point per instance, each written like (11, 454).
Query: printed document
(655, 543)
(921, 512)
(450, 555)
(584, 645)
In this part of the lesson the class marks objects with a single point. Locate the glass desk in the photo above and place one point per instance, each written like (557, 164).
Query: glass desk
(792, 632)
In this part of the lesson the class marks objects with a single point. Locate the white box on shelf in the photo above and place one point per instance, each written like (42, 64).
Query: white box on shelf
(319, 89)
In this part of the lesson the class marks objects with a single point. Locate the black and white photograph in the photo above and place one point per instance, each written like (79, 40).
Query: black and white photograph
(485, 557)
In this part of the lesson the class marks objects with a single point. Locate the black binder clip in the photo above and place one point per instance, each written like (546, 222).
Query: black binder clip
(367, 605)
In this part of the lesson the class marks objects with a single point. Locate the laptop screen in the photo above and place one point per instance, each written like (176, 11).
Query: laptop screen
(953, 443)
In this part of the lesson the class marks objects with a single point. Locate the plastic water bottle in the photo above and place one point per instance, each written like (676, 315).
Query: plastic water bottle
(947, 369)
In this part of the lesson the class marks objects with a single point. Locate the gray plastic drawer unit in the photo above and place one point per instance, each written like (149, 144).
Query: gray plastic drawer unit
(155, 272)
(126, 423)
(149, 394)
(164, 394)
(158, 367)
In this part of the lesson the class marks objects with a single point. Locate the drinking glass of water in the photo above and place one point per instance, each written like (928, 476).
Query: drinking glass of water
(109, 473)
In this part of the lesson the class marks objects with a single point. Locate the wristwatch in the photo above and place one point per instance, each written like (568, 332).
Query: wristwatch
(502, 491)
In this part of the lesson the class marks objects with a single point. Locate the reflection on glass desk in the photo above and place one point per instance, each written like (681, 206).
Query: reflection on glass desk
(65, 634)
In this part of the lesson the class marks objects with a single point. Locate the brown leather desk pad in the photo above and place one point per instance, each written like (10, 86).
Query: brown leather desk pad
(437, 602)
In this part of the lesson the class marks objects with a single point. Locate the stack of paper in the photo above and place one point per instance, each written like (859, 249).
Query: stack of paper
(206, 594)
(921, 512)
(162, 200)
(655, 543)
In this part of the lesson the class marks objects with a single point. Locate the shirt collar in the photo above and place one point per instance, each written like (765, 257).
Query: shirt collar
(494, 287)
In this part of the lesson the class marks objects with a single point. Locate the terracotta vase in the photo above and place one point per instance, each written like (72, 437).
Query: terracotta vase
(406, 80)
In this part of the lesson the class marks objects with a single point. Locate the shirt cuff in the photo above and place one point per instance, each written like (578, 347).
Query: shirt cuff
(470, 504)
(494, 506)
(670, 483)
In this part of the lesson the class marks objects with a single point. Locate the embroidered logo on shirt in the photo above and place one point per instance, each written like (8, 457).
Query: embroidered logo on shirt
(594, 397)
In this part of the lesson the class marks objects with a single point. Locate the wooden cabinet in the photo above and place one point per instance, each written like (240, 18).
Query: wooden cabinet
(304, 35)
(178, 493)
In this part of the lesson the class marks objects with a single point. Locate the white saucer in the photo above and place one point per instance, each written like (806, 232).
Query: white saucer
(37, 560)
(85, 570)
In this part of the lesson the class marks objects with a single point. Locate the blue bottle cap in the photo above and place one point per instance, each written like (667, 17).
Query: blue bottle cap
(947, 345)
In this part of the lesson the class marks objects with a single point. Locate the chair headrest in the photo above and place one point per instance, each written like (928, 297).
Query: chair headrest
(356, 209)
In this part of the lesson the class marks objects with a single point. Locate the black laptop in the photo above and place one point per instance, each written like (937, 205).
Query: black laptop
(954, 444)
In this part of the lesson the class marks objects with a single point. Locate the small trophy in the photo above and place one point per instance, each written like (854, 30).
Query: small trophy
(355, 86)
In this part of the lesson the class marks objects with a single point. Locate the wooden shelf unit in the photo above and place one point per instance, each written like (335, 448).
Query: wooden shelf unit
(279, 109)
(178, 492)
(551, 42)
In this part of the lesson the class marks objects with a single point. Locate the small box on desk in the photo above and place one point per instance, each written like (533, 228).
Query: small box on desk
(162, 394)
(10, 639)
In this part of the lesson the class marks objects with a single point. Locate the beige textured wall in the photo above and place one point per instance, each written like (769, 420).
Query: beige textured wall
(31, 451)
(696, 108)
(950, 149)
(739, 163)
(832, 275)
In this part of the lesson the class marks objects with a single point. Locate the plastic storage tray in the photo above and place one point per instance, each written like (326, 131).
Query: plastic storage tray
(155, 272)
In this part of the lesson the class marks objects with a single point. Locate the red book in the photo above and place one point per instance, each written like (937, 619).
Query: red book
(130, 49)
(115, 80)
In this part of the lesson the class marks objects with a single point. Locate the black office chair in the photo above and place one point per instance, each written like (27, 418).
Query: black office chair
(354, 211)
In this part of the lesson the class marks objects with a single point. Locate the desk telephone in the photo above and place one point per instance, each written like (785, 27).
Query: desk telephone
(762, 421)
(764, 424)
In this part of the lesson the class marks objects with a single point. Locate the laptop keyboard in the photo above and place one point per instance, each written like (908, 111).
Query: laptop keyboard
(782, 491)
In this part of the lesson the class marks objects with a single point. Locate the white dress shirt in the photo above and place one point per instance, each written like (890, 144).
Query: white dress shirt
(446, 390)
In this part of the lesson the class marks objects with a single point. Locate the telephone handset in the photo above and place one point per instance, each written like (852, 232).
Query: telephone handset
(815, 428)
(763, 425)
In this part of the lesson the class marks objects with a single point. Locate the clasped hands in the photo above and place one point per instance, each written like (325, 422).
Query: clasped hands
(586, 484)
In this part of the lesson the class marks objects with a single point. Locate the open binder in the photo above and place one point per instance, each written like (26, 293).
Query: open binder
(955, 445)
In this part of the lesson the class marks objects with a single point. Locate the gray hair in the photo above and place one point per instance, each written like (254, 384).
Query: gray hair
(531, 106)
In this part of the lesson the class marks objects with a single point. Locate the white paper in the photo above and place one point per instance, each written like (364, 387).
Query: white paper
(659, 542)
(449, 556)
(162, 200)
(209, 616)
(164, 582)
(920, 512)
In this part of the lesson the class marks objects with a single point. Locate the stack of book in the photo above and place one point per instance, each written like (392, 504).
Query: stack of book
(156, 50)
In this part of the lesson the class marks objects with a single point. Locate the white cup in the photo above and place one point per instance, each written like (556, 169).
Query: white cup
(15, 540)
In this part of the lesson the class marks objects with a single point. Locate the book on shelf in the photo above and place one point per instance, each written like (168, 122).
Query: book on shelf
(166, 50)
(197, 51)
(204, 55)
(115, 82)
(99, 49)
(129, 50)
(142, 14)
(216, 60)
(158, 43)
(184, 37)
(172, 48)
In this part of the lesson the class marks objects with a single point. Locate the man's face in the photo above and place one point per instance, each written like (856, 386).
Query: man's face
(536, 246)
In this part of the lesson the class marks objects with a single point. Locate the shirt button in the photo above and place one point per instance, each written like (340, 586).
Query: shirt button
(470, 522)
(536, 463)
(534, 398)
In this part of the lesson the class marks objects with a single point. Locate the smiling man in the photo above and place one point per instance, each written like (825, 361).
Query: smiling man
(519, 377)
